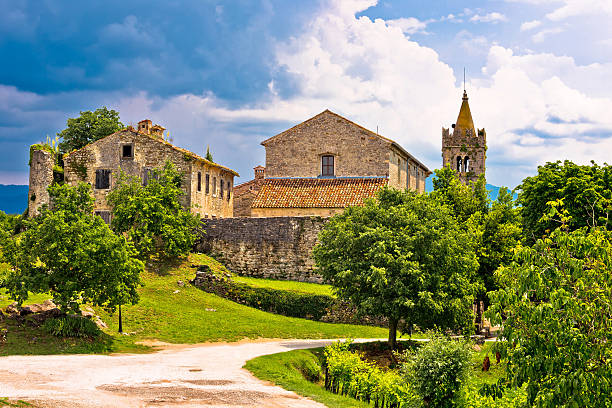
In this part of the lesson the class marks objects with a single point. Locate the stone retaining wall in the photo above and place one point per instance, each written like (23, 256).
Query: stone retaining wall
(274, 247)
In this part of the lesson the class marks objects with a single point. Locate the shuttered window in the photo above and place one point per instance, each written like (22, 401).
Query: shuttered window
(207, 183)
(105, 215)
(103, 179)
(221, 183)
(327, 166)
(199, 181)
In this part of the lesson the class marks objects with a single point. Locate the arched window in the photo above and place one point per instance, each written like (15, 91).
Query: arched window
(466, 164)
(459, 160)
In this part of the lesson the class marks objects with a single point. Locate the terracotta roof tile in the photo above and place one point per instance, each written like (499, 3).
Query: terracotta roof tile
(316, 193)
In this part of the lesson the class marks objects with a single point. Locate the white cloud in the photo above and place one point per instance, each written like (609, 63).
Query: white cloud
(493, 17)
(572, 8)
(529, 25)
(408, 25)
(543, 34)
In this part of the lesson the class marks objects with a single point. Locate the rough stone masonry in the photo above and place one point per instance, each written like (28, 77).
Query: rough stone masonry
(274, 247)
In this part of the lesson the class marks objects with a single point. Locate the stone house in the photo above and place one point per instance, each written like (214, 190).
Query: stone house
(207, 186)
(465, 149)
(325, 164)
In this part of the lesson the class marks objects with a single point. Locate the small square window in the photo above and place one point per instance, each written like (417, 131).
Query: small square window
(127, 151)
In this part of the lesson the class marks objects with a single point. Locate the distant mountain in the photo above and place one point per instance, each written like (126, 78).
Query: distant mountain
(493, 190)
(13, 198)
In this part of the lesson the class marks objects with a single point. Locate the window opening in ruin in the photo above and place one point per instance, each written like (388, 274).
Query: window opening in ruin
(327, 166)
(214, 186)
(127, 151)
(229, 188)
(459, 164)
(466, 164)
(221, 183)
(105, 215)
(199, 181)
(103, 179)
(207, 183)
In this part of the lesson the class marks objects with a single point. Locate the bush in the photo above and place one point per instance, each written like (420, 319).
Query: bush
(438, 371)
(71, 326)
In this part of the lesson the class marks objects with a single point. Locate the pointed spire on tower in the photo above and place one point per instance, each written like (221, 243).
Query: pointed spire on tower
(464, 120)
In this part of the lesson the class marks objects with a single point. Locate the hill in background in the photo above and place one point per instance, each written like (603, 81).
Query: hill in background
(13, 198)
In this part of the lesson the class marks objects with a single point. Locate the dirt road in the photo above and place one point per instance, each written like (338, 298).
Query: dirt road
(209, 375)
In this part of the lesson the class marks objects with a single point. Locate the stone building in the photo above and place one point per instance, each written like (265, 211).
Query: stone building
(327, 163)
(465, 149)
(41, 177)
(245, 193)
(207, 186)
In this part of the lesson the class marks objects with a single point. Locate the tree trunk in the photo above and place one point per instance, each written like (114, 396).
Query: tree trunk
(392, 332)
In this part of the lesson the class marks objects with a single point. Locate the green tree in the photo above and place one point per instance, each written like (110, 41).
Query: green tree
(402, 256)
(152, 215)
(209, 155)
(556, 298)
(89, 127)
(586, 192)
(72, 254)
(466, 201)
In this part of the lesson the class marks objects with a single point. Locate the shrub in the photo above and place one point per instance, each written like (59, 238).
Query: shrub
(438, 371)
(71, 326)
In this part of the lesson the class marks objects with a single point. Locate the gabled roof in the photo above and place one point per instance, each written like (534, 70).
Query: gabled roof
(317, 192)
(328, 112)
(159, 140)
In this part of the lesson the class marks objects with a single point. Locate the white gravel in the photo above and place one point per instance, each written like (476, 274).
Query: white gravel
(208, 375)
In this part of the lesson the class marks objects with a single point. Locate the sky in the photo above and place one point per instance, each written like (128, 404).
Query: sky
(230, 74)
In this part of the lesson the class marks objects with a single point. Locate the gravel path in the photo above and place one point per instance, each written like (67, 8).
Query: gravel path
(208, 375)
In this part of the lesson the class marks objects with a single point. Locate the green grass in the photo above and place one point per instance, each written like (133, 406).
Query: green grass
(188, 316)
(313, 288)
(5, 402)
(285, 369)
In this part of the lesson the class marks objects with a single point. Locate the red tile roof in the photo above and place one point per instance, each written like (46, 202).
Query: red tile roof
(316, 193)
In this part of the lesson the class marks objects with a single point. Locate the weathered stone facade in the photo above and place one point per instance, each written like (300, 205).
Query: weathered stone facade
(41, 177)
(357, 152)
(207, 186)
(465, 149)
(276, 248)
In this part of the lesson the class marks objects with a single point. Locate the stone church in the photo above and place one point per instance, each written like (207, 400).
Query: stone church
(207, 186)
(465, 148)
(323, 165)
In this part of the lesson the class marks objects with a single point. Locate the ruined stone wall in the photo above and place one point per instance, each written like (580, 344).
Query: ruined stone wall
(295, 212)
(276, 248)
(297, 152)
(41, 177)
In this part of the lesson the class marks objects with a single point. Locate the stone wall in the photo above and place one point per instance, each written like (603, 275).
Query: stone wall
(41, 177)
(275, 247)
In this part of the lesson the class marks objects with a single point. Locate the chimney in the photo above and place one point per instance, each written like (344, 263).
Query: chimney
(144, 126)
(260, 172)
(158, 131)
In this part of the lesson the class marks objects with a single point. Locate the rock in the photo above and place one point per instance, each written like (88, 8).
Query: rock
(180, 283)
(87, 314)
(476, 348)
(12, 308)
(176, 291)
(211, 310)
(100, 323)
(38, 307)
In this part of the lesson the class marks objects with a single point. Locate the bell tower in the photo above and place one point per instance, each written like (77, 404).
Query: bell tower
(465, 148)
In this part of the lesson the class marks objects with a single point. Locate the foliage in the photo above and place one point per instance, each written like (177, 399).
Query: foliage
(152, 216)
(586, 192)
(498, 223)
(438, 371)
(89, 127)
(347, 373)
(72, 254)
(402, 256)
(208, 155)
(71, 326)
(556, 298)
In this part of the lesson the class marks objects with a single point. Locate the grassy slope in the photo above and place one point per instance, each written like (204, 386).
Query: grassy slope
(189, 316)
(306, 287)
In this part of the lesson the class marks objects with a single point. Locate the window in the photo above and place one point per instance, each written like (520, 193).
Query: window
(466, 164)
(105, 215)
(199, 181)
(127, 151)
(103, 179)
(399, 169)
(149, 174)
(327, 166)
(221, 183)
(214, 186)
(207, 183)
(459, 164)
(229, 188)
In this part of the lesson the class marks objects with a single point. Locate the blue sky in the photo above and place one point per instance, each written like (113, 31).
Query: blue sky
(231, 74)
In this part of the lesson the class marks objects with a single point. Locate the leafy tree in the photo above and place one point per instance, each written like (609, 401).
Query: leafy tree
(209, 155)
(556, 298)
(586, 192)
(71, 253)
(402, 256)
(152, 216)
(466, 201)
(89, 127)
